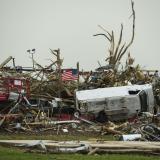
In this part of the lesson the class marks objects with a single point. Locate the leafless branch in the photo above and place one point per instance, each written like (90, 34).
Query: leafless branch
(133, 32)
(119, 42)
(101, 34)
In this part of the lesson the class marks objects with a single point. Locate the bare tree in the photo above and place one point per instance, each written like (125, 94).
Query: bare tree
(116, 51)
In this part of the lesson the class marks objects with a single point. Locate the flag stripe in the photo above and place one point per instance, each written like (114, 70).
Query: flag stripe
(69, 75)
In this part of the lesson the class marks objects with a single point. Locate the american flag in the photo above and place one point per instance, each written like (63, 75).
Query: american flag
(69, 74)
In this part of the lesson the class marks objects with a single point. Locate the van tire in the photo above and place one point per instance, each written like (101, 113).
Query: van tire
(102, 117)
(77, 114)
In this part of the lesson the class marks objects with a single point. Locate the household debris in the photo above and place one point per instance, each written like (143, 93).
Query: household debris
(38, 101)
(87, 147)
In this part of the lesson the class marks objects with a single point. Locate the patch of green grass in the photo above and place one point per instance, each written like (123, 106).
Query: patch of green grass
(15, 154)
(64, 137)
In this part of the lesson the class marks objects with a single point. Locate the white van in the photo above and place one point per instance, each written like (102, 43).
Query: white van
(118, 102)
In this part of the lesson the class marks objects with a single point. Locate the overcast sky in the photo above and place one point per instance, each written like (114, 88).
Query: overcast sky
(70, 25)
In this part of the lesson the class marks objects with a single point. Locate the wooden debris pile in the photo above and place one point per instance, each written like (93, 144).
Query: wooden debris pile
(36, 109)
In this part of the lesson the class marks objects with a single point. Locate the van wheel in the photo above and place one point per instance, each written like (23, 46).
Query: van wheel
(77, 114)
(102, 117)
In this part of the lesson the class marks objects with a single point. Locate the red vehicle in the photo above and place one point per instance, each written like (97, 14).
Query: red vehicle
(11, 88)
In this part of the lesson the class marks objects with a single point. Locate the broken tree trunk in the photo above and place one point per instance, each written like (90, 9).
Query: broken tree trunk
(116, 52)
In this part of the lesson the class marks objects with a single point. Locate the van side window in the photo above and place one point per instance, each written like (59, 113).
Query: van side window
(133, 92)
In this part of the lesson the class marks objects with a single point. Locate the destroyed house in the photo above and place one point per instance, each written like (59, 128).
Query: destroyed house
(118, 102)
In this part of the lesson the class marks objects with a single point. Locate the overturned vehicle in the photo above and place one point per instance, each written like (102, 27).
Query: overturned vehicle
(118, 103)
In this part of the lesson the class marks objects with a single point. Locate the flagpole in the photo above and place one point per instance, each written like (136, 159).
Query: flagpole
(78, 75)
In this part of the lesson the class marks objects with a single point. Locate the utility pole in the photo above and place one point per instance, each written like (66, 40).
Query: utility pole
(59, 72)
(32, 52)
(56, 52)
(14, 65)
